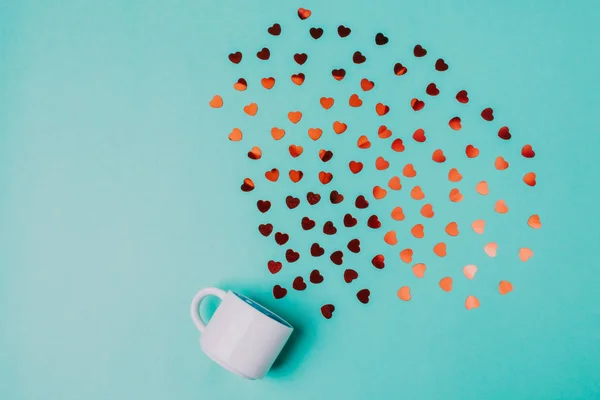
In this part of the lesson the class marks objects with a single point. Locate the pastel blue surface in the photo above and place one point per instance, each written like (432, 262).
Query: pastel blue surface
(119, 199)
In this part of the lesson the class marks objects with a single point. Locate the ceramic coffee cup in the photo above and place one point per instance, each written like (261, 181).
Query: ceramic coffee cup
(241, 336)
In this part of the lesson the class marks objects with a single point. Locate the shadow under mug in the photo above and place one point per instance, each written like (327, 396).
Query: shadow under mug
(242, 336)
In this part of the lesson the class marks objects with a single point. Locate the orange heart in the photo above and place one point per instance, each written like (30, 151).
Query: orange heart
(298, 79)
(379, 192)
(295, 151)
(455, 123)
(397, 214)
(419, 270)
(501, 207)
(472, 151)
(216, 102)
(381, 109)
(390, 238)
(534, 221)
(419, 135)
(327, 102)
(339, 127)
(454, 175)
(427, 211)
(452, 229)
(394, 183)
(251, 109)
(294, 116)
(355, 166)
(235, 135)
(501, 163)
(470, 271)
(268, 83)
(417, 104)
(355, 101)
(295, 176)
(438, 156)
(446, 284)
(455, 195)
(440, 249)
(471, 302)
(325, 177)
(272, 175)
(404, 293)
(303, 13)
(384, 132)
(525, 254)
(491, 249)
(505, 287)
(363, 142)
(478, 226)
(406, 255)
(277, 133)
(247, 185)
(397, 145)
(366, 84)
(482, 188)
(240, 85)
(417, 193)
(315, 133)
(529, 178)
(381, 164)
(409, 171)
(418, 231)
(255, 153)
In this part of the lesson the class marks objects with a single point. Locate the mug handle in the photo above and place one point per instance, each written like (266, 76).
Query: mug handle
(195, 313)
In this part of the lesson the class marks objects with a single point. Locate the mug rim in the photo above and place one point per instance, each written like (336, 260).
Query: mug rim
(261, 309)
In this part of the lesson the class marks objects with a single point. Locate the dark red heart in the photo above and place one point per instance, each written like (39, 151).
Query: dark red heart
(279, 292)
(274, 266)
(488, 114)
(325, 155)
(263, 205)
(316, 32)
(358, 58)
(400, 69)
(275, 30)
(329, 228)
(292, 202)
(316, 277)
(354, 246)
(343, 31)
(350, 275)
(316, 250)
(378, 261)
(281, 238)
(299, 283)
(313, 198)
(363, 295)
(335, 197)
(374, 222)
(381, 39)
(441, 65)
(417, 104)
(432, 89)
(247, 186)
(235, 57)
(307, 224)
(361, 202)
(264, 54)
(419, 51)
(504, 133)
(349, 221)
(300, 58)
(338, 74)
(327, 310)
(462, 97)
(291, 256)
(265, 229)
(337, 257)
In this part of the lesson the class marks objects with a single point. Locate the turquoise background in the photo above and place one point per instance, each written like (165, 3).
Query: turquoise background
(119, 199)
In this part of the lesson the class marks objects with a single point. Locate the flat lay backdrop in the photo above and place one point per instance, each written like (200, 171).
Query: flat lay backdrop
(119, 199)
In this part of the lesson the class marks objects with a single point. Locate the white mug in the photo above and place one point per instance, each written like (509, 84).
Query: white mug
(241, 336)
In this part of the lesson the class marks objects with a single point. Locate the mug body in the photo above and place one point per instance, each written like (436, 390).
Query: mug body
(244, 337)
